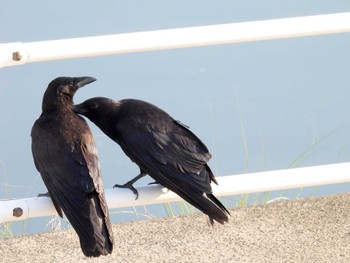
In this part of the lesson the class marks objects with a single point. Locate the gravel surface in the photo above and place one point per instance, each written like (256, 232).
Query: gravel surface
(308, 230)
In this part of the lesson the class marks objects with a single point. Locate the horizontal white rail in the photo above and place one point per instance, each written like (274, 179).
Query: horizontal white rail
(18, 53)
(20, 209)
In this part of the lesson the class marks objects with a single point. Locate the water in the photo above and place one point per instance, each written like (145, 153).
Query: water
(279, 97)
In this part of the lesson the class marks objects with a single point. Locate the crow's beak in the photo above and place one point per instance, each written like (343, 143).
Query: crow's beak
(80, 109)
(82, 81)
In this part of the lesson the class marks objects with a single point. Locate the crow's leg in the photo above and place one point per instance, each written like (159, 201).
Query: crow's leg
(130, 184)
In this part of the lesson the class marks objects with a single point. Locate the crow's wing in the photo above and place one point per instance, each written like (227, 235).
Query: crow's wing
(176, 159)
(172, 155)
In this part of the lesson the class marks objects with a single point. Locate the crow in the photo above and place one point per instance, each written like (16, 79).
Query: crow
(65, 154)
(162, 147)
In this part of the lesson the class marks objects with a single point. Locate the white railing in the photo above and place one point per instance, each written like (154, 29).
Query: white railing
(20, 209)
(18, 53)
(13, 54)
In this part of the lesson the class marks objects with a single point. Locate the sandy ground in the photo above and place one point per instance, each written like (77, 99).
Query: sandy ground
(309, 230)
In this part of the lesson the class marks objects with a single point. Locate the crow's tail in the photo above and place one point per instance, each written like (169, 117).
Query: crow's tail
(207, 203)
(90, 219)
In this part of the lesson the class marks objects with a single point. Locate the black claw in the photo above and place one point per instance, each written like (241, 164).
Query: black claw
(130, 186)
(45, 194)
(155, 182)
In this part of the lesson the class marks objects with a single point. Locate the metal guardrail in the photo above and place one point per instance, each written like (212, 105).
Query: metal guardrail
(20, 209)
(18, 53)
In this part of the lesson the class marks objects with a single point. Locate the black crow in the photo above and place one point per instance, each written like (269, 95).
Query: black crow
(65, 154)
(162, 147)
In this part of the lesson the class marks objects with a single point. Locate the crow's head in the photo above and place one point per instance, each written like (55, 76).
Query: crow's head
(61, 90)
(98, 109)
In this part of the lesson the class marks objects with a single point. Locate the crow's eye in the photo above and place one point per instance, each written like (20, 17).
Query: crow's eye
(63, 89)
(93, 106)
